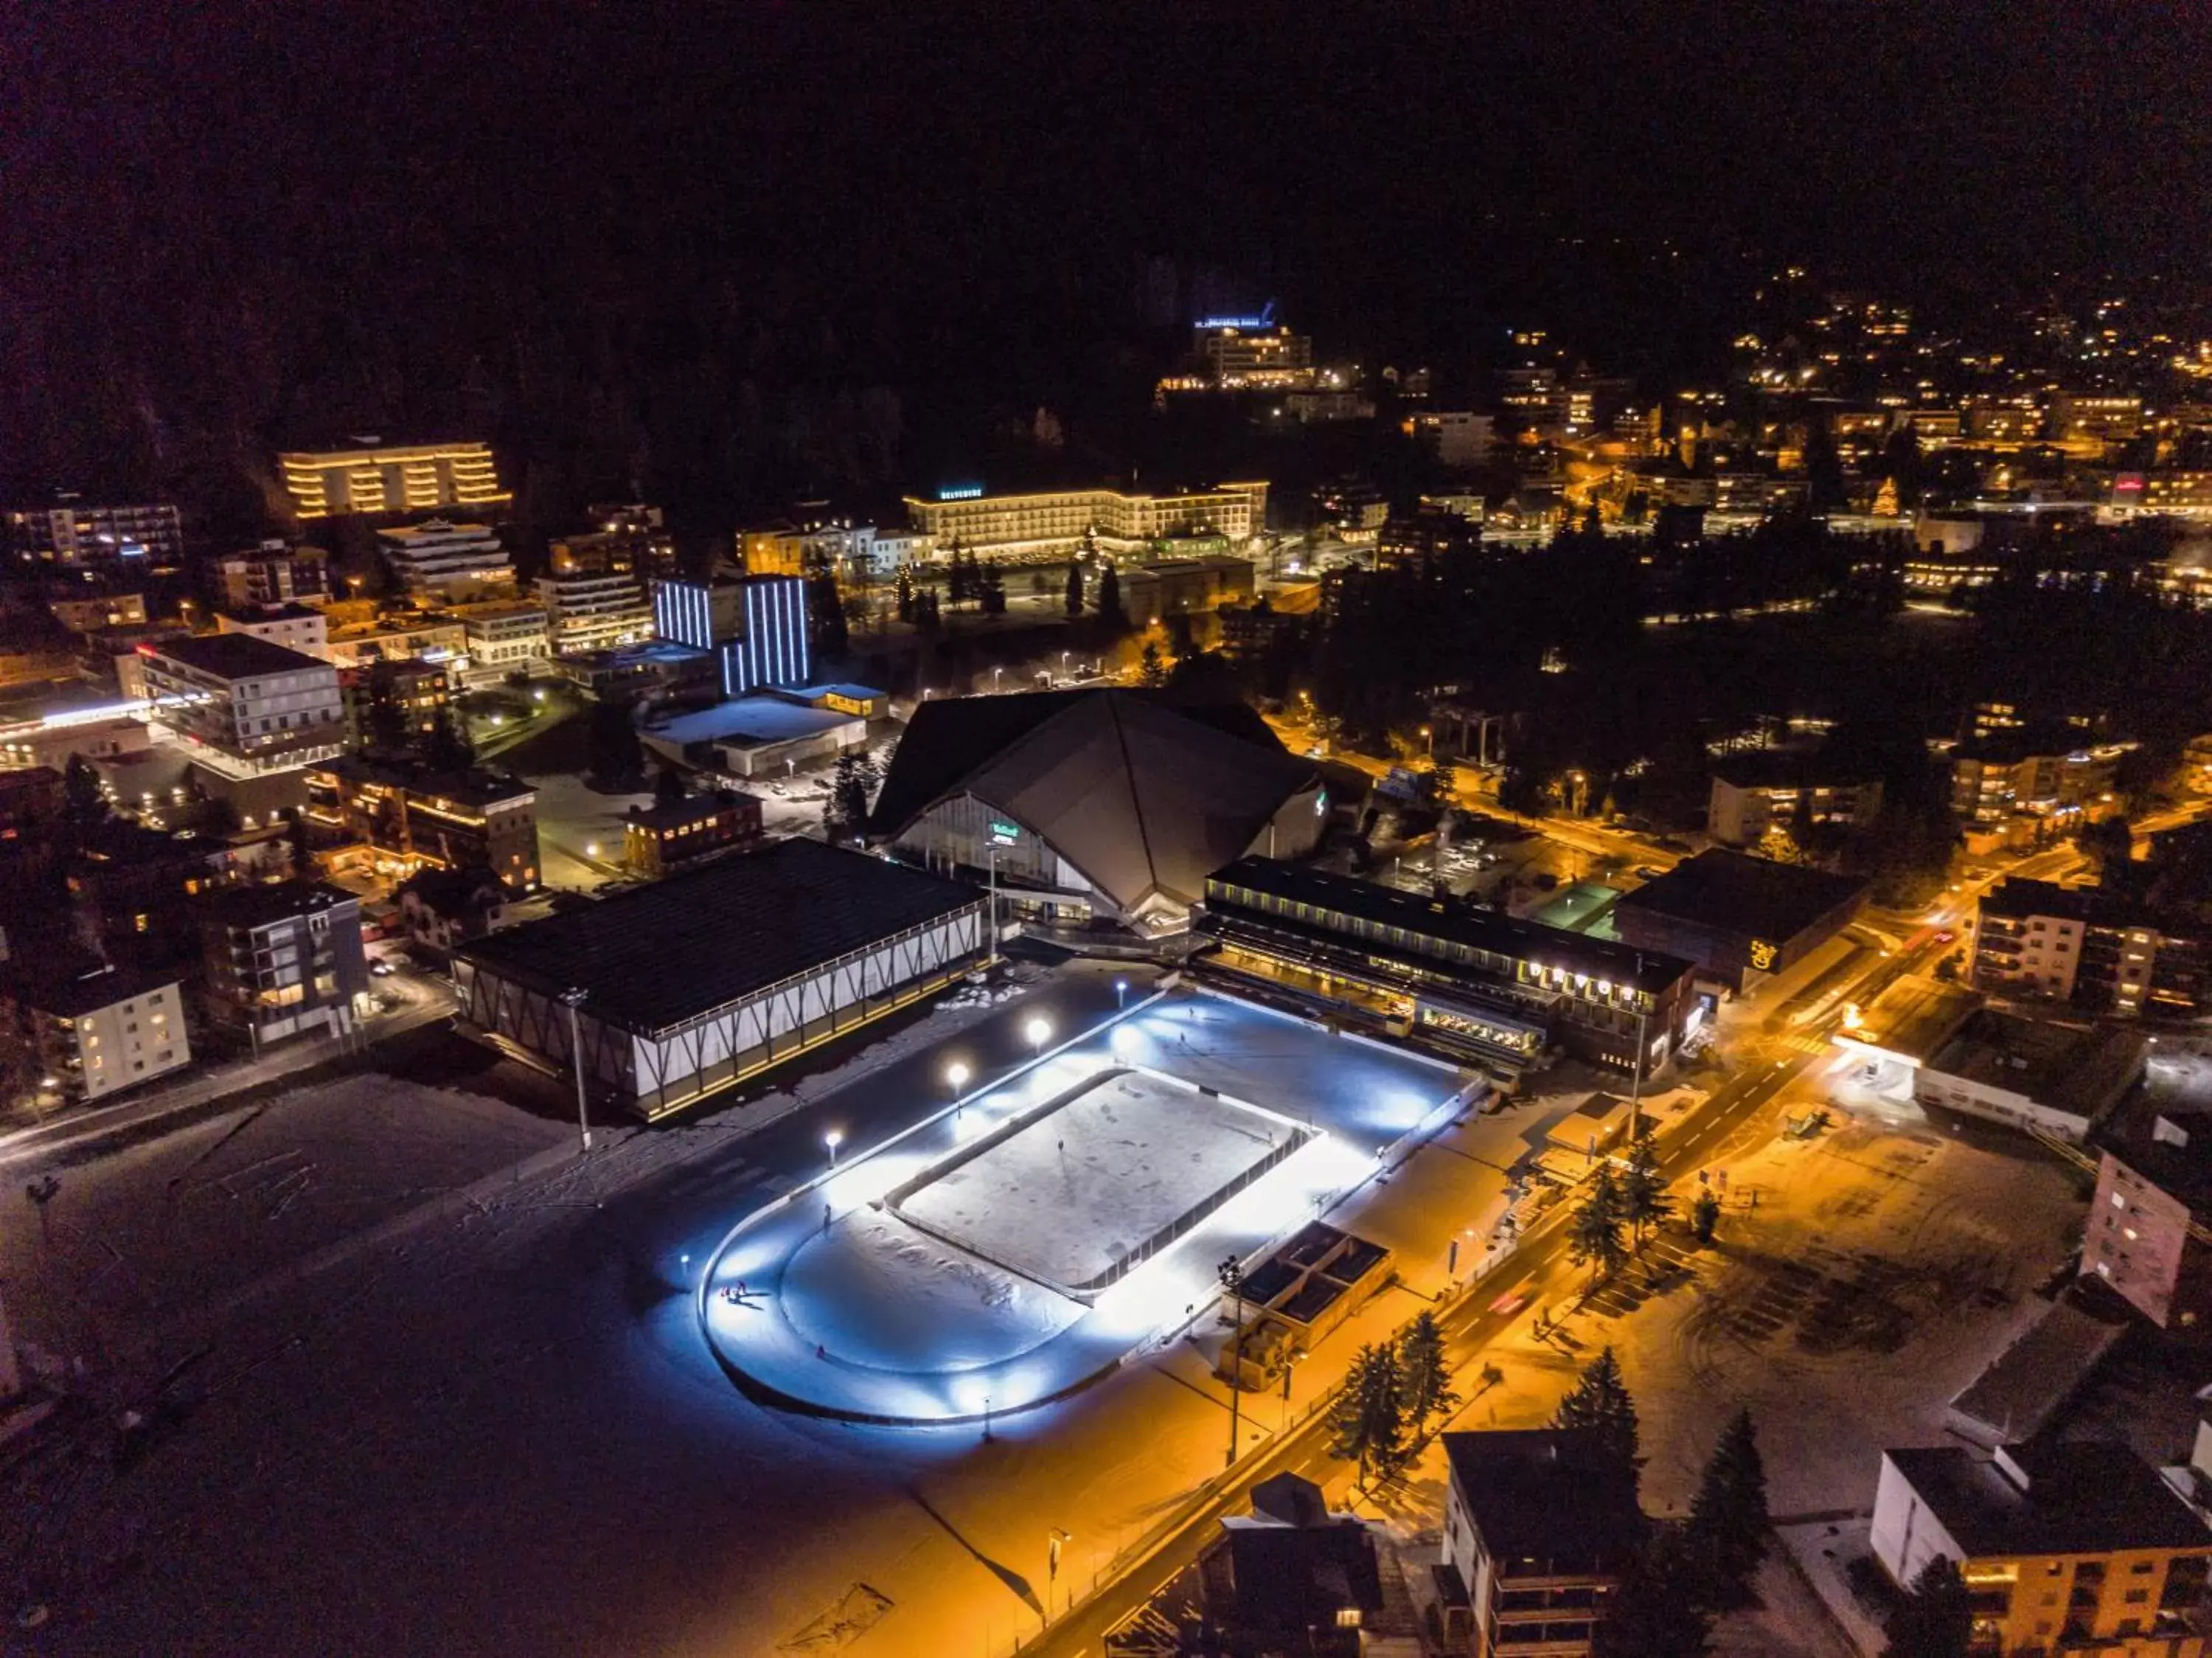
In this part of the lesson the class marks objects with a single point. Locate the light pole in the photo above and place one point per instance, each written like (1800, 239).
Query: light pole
(1232, 1280)
(1039, 1032)
(833, 1139)
(956, 1077)
(1054, 1540)
(1428, 742)
(996, 673)
(1120, 994)
(994, 960)
(1063, 665)
(573, 999)
(1636, 1084)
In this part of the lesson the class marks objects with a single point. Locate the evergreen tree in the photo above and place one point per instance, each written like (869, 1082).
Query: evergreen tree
(613, 757)
(667, 786)
(446, 747)
(1644, 1201)
(845, 812)
(1705, 1215)
(81, 795)
(1075, 604)
(1936, 1620)
(1150, 670)
(1109, 598)
(1368, 1421)
(1594, 1235)
(826, 616)
(295, 838)
(1599, 1399)
(1426, 1372)
(991, 583)
(903, 592)
(1727, 1515)
(1654, 1614)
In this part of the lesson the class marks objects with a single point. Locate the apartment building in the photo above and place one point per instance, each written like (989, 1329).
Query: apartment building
(371, 476)
(91, 1033)
(1754, 792)
(283, 960)
(71, 533)
(2093, 950)
(241, 705)
(410, 817)
(420, 691)
(501, 638)
(430, 636)
(670, 834)
(274, 573)
(586, 613)
(1539, 1524)
(442, 561)
(295, 627)
(2066, 1548)
(2011, 772)
(2148, 1237)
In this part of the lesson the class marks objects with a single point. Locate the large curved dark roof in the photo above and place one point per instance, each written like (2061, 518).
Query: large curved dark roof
(1145, 793)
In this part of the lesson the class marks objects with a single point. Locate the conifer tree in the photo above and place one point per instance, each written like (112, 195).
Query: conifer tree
(1426, 1373)
(1593, 1235)
(1599, 1399)
(1368, 1422)
(1727, 1515)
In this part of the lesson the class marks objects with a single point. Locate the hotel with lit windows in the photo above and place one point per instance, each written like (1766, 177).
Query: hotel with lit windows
(370, 477)
(1056, 521)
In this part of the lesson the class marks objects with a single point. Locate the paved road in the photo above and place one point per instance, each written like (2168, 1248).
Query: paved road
(1469, 1327)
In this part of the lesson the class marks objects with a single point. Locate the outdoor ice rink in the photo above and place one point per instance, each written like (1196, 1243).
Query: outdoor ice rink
(1071, 1195)
(973, 1265)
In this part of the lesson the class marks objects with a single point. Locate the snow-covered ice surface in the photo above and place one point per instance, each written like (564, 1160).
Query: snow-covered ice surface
(1069, 1197)
(929, 1305)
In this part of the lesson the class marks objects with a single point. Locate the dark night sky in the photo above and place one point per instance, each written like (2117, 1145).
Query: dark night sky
(208, 207)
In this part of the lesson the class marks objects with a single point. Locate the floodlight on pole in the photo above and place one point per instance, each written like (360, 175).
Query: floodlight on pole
(833, 1139)
(956, 1077)
(1039, 1032)
(573, 999)
(1120, 993)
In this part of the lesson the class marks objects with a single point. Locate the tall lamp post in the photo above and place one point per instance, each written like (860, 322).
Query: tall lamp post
(833, 1139)
(1232, 1280)
(1054, 1539)
(1039, 1032)
(1635, 1085)
(573, 999)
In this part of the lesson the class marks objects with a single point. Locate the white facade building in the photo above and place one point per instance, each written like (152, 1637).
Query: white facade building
(585, 614)
(105, 1031)
(441, 560)
(243, 706)
(503, 639)
(295, 627)
(1056, 521)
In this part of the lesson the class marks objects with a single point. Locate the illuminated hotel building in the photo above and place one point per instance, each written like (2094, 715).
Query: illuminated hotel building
(440, 560)
(374, 478)
(587, 612)
(1056, 521)
(243, 706)
(1239, 355)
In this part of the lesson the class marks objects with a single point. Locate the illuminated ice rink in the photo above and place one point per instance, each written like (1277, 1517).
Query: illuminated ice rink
(856, 1297)
(1068, 1197)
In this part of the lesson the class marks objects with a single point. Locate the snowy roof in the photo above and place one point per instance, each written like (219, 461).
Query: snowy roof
(1144, 796)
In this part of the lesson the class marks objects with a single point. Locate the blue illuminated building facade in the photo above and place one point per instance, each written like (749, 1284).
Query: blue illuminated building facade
(758, 627)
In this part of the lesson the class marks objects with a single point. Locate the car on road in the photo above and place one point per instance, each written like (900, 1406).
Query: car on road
(380, 968)
(1509, 1303)
(1645, 872)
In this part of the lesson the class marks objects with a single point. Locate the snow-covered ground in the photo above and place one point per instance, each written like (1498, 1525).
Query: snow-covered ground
(1068, 1197)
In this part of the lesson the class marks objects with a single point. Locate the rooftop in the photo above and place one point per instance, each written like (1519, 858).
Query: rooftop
(72, 995)
(1789, 768)
(288, 612)
(1733, 892)
(1457, 922)
(2056, 1498)
(234, 656)
(2061, 1066)
(662, 955)
(1545, 1495)
(480, 786)
(747, 722)
(258, 906)
(692, 809)
(2093, 906)
(1912, 1017)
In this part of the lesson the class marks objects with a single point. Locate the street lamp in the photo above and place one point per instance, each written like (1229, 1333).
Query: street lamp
(573, 999)
(996, 673)
(1232, 1280)
(1429, 743)
(1039, 1032)
(1120, 994)
(1054, 1541)
(833, 1139)
(956, 1077)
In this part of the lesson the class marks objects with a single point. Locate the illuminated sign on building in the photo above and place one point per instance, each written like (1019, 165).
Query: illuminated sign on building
(1763, 955)
(961, 493)
(1004, 834)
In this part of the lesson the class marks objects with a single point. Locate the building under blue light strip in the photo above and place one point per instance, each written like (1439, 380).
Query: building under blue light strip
(773, 651)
